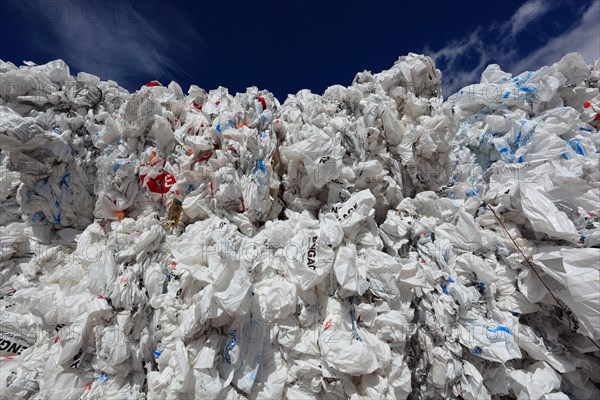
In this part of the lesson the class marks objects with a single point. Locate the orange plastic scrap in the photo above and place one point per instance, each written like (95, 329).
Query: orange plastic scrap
(152, 156)
(173, 214)
(119, 214)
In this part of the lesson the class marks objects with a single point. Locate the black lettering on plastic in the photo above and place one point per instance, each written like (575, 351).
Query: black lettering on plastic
(312, 252)
(14, 348)
(4, 345)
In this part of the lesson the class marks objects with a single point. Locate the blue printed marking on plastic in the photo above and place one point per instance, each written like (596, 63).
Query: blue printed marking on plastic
(477, 351)
(116, 167)
(576, 146)
(527, 137)
(518, 139)
(569, 392)
(481, 287)
(165, 288)
(526, 89)
(38, 216)
(510, 157)
(529, 73)
(355, 324)
(65, 180)
(261, 165)
(252, 375)
(522, 140)
(156, 353)
(446, 254)
(506, 95)
(445, 285)
(444, 289)
(230, 346)
(504, 329)
(500, 328)
(103, 378)
(257, 361)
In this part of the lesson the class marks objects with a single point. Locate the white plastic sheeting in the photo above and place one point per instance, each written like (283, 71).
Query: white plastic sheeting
(161, 245)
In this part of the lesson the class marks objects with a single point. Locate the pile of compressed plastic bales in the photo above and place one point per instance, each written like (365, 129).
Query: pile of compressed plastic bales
(378, 241)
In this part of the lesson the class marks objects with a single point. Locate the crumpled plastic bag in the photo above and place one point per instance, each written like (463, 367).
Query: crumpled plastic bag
(171, 244)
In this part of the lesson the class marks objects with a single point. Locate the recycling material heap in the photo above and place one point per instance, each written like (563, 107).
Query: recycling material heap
(376, 241)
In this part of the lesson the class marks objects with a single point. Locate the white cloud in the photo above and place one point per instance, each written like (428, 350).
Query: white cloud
(472, 46)
(584, 38)
(452, 56)
(115, 42)
(526, 14)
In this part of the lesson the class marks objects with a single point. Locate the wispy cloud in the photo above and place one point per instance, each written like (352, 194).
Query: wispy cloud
(453, 56)
(484, 46)
(584, 38)
(526, 14)
(115, 41)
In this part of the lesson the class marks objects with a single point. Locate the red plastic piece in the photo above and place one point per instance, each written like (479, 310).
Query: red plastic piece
(205, 157)
(161, 184)
(263, 102)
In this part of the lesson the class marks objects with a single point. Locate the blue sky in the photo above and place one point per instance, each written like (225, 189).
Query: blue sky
(288, 45)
